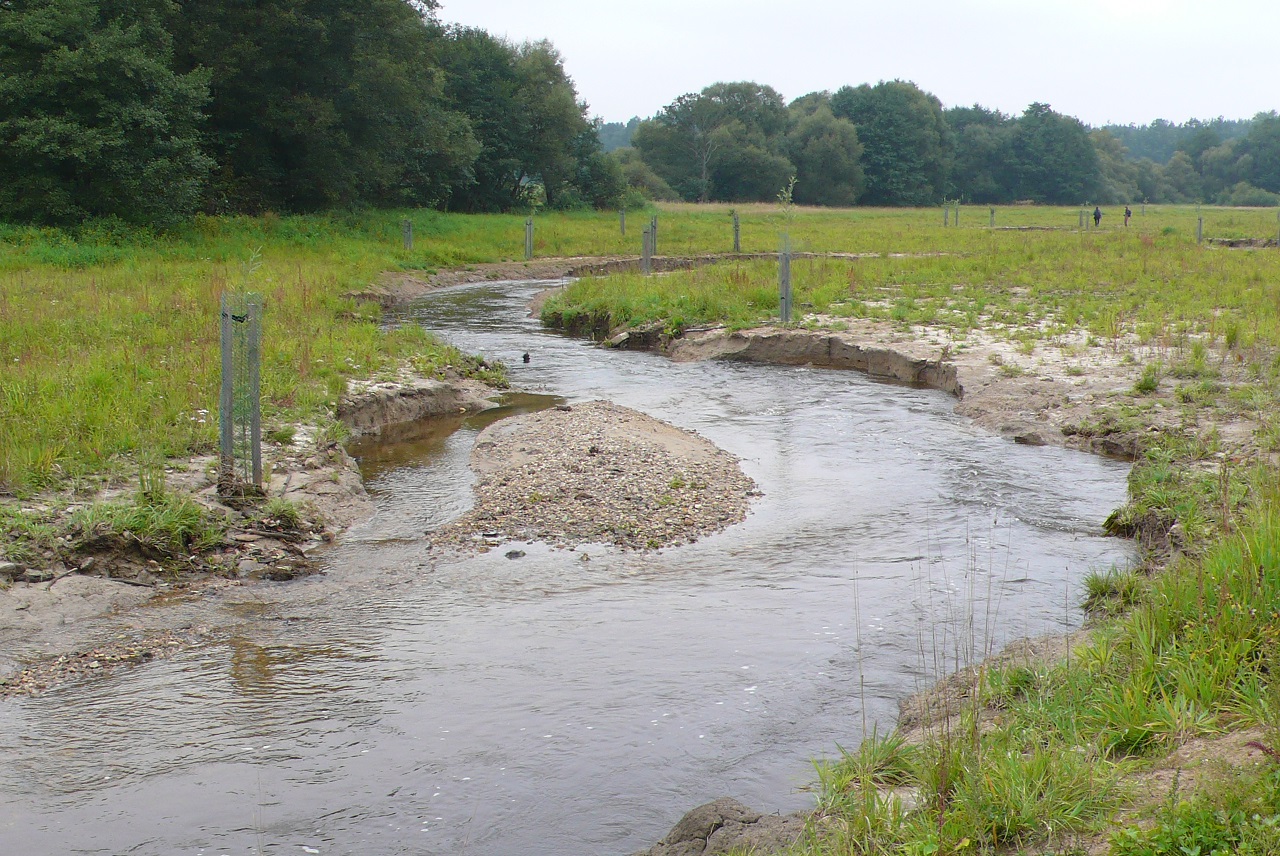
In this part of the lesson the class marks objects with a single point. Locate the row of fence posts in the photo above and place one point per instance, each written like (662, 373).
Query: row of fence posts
(650, 243)
(240, 413)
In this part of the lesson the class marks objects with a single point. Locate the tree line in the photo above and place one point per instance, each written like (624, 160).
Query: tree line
(151, 110)
(893, 143)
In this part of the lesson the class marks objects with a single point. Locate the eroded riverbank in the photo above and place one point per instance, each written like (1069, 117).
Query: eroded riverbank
(795, 525)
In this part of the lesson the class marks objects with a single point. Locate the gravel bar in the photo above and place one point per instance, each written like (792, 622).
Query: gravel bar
(597, 473)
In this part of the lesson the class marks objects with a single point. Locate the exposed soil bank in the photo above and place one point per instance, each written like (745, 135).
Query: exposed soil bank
(1044, 398)
(592, 473)
(46, 606)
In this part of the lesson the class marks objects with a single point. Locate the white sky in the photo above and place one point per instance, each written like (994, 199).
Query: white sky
(1101, 61)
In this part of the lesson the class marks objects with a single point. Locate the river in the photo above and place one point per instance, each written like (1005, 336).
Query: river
(575, 701)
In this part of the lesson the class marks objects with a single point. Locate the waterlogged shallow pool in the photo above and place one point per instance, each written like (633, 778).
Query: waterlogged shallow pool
(575, 702)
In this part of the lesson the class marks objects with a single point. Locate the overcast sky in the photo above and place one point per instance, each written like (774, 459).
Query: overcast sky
(1102, 61)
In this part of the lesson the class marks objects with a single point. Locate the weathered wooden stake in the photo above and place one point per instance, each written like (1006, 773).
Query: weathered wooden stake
(622, 222)
(406, 229)
(946, 215)
(653, 235)
(737, 234)
(1199, 230)
(957, 213)
(528, 239)
(646, 252)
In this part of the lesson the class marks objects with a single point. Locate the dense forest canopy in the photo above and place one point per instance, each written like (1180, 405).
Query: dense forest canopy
(149, 111)
(893, 143)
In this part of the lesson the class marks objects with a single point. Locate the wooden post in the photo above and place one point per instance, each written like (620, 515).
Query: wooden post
(1199, 230)
(946, 215)
(528, 239)
(957, 213)
(406, 228)
(737, 234)
(993, 218)
(622, 222)
(646, 252)
(653, 235)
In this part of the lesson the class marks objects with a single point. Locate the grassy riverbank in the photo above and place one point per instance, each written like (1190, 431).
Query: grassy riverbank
(108, 365)
(1137, 742)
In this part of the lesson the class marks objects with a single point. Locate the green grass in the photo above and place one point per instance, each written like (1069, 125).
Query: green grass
(1191, 652)
(1038, 287)
(107, 358)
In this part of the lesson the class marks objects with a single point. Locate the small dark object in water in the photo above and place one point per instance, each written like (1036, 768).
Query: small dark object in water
(525, 357)
(514, 554)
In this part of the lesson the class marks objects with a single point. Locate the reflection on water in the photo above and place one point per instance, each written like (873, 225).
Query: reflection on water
(422, 443)
(575, 701)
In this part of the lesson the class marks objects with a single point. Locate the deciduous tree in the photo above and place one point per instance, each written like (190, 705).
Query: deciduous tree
(905, 140)
(827, 157)
(93, 120)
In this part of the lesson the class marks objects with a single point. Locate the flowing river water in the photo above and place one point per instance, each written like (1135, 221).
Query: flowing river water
(575, 701)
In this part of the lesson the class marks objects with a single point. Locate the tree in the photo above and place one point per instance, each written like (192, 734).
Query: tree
(615, 135)
(1263, 144)
(640, 176)
(743, 167)
(1152, 186)
(905, 141)
(533, 131)
(684, 142)
(93, 120)
(1182, 180)
(1054, 158)
(826, 153)
(323, 103)
(982, 160)
(1219, 168)
(1118, 176)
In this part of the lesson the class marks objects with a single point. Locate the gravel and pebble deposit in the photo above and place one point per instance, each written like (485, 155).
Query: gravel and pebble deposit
(598, 473)
(129, 649)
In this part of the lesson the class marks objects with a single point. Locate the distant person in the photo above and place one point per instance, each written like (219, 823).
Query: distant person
(1097, 216)
(1127, 215)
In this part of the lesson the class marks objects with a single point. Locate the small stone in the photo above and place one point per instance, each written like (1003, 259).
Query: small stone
(515, 554)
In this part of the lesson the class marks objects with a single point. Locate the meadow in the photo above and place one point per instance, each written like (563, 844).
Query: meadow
(108, 366)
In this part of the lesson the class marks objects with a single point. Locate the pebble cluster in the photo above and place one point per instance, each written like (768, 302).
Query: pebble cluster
(599, 473)
(125, 650)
